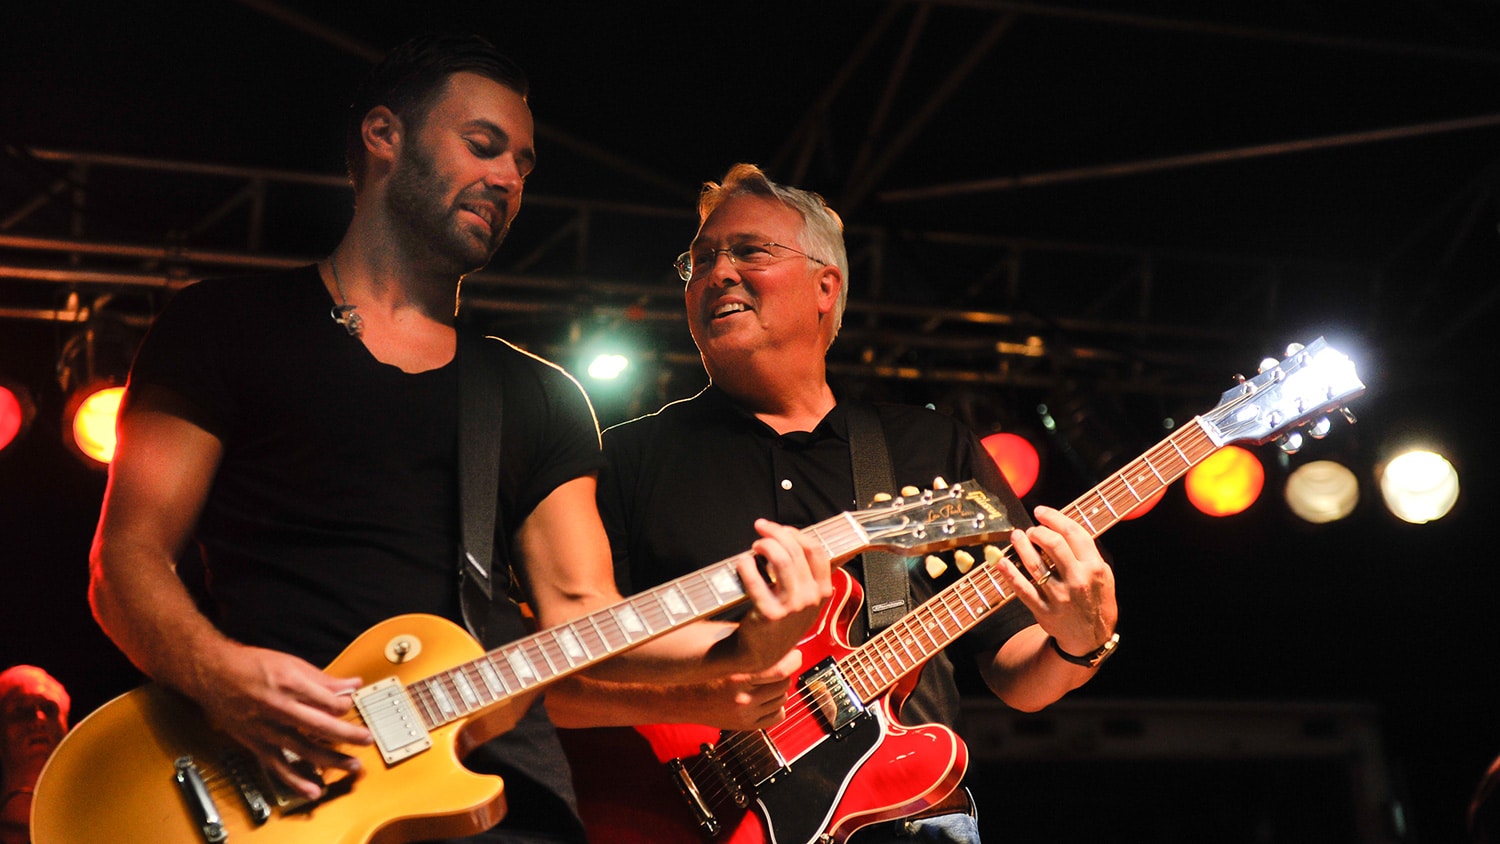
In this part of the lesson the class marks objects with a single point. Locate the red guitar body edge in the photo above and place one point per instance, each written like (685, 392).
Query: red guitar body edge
(627, 795)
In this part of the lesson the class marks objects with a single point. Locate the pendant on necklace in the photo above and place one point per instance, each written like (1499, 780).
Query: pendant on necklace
(344, 315)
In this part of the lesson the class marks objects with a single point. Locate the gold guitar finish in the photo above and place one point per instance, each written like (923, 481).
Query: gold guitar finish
(118, 766)
(142, 767)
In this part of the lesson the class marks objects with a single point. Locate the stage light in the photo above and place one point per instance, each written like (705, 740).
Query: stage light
(91, 372)
(605, 353)
(1419, 486)
(1322, 491)
(1144, 507)
(90, 421)
(1017, 458)
(1226, 483)
(607, 367)
(16, 412)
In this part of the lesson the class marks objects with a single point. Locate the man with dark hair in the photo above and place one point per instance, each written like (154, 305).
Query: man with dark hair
(765, 286)
(410, 78)
(303, 427)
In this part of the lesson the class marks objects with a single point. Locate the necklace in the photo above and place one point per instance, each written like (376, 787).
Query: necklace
(343, 313)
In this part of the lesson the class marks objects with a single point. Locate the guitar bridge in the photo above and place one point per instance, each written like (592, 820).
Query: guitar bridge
(733, 773)
(688, 788)
(195, 792)
(831, 697)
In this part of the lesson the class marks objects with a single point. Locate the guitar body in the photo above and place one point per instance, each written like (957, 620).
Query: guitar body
(875, 769)
(112, 778)
(830, 768)
(147, 767)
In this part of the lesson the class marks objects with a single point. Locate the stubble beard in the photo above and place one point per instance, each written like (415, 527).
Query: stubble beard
(428, 225)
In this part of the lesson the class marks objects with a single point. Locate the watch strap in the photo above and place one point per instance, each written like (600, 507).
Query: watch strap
(1092, 658)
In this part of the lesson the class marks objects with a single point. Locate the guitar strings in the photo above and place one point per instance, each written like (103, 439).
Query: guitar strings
(802, 708)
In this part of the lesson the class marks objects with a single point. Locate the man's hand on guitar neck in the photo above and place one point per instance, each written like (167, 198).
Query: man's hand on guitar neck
(1074, 599)
(785, 607)
(273, 704)
(743, 671)
(1073, 602)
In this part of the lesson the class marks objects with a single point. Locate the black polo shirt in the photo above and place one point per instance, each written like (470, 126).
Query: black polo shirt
(683, 486)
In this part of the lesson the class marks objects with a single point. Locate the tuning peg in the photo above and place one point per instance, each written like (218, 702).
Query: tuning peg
(939, 483)
(881, 498)
(935, 565)
(992, 554)
(1294, 348)
(1268, 364)
(1320, 428)
(963, 561)
(1290, 443)
(1348, 415)
(910, 491)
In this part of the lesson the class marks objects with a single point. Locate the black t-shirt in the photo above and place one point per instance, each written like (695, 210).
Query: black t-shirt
(335, 505)
(682, 487)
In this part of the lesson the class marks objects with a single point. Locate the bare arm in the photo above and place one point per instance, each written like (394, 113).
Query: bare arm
(563, 547)
(1075, 604)
(159, 481)
(739, 701)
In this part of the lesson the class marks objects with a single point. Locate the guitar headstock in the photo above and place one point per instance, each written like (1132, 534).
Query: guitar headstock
(936, 520)
(1312, 381)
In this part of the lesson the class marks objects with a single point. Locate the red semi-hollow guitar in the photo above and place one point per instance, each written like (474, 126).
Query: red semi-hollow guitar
(839, 760)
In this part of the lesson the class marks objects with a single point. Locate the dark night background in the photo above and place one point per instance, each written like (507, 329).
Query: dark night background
(1341, 184)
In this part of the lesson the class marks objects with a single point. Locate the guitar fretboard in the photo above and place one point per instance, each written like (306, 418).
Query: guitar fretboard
(553, 653)
(889, 655)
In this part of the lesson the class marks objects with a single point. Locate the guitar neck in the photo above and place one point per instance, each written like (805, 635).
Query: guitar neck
(891, 654)
(552, 654)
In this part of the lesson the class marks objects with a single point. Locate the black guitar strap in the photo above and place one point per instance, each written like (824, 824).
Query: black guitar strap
(480, 407)
(887, 591)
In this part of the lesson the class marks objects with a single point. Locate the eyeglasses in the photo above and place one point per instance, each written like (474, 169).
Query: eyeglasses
(746, 256)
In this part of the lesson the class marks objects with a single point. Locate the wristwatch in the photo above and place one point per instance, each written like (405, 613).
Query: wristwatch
(1092, 658)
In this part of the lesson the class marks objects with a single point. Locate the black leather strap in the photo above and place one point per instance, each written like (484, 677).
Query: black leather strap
(887, 591)
(480, 411)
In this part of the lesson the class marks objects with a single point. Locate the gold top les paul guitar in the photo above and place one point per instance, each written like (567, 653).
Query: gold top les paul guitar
(145, 767)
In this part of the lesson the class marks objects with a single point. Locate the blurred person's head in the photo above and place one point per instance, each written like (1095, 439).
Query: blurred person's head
(33, 718)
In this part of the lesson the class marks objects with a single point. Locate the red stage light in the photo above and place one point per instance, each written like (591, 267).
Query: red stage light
(1017, 458)
(1144, 507)
(16, 412)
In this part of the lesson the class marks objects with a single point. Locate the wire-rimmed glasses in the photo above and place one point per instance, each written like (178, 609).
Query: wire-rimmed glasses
(746, 256)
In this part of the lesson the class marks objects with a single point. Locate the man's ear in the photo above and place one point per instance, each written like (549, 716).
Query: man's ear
(382, 132)
(830, 285)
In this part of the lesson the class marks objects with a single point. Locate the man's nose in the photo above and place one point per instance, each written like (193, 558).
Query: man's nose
(504, 174)
(730, 274)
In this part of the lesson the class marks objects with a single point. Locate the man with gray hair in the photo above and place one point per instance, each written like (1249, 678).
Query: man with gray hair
(765, 287)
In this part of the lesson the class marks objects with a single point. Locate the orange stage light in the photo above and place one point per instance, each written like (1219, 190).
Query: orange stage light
(1017, 458)
(1226, 483)
(91, 422)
